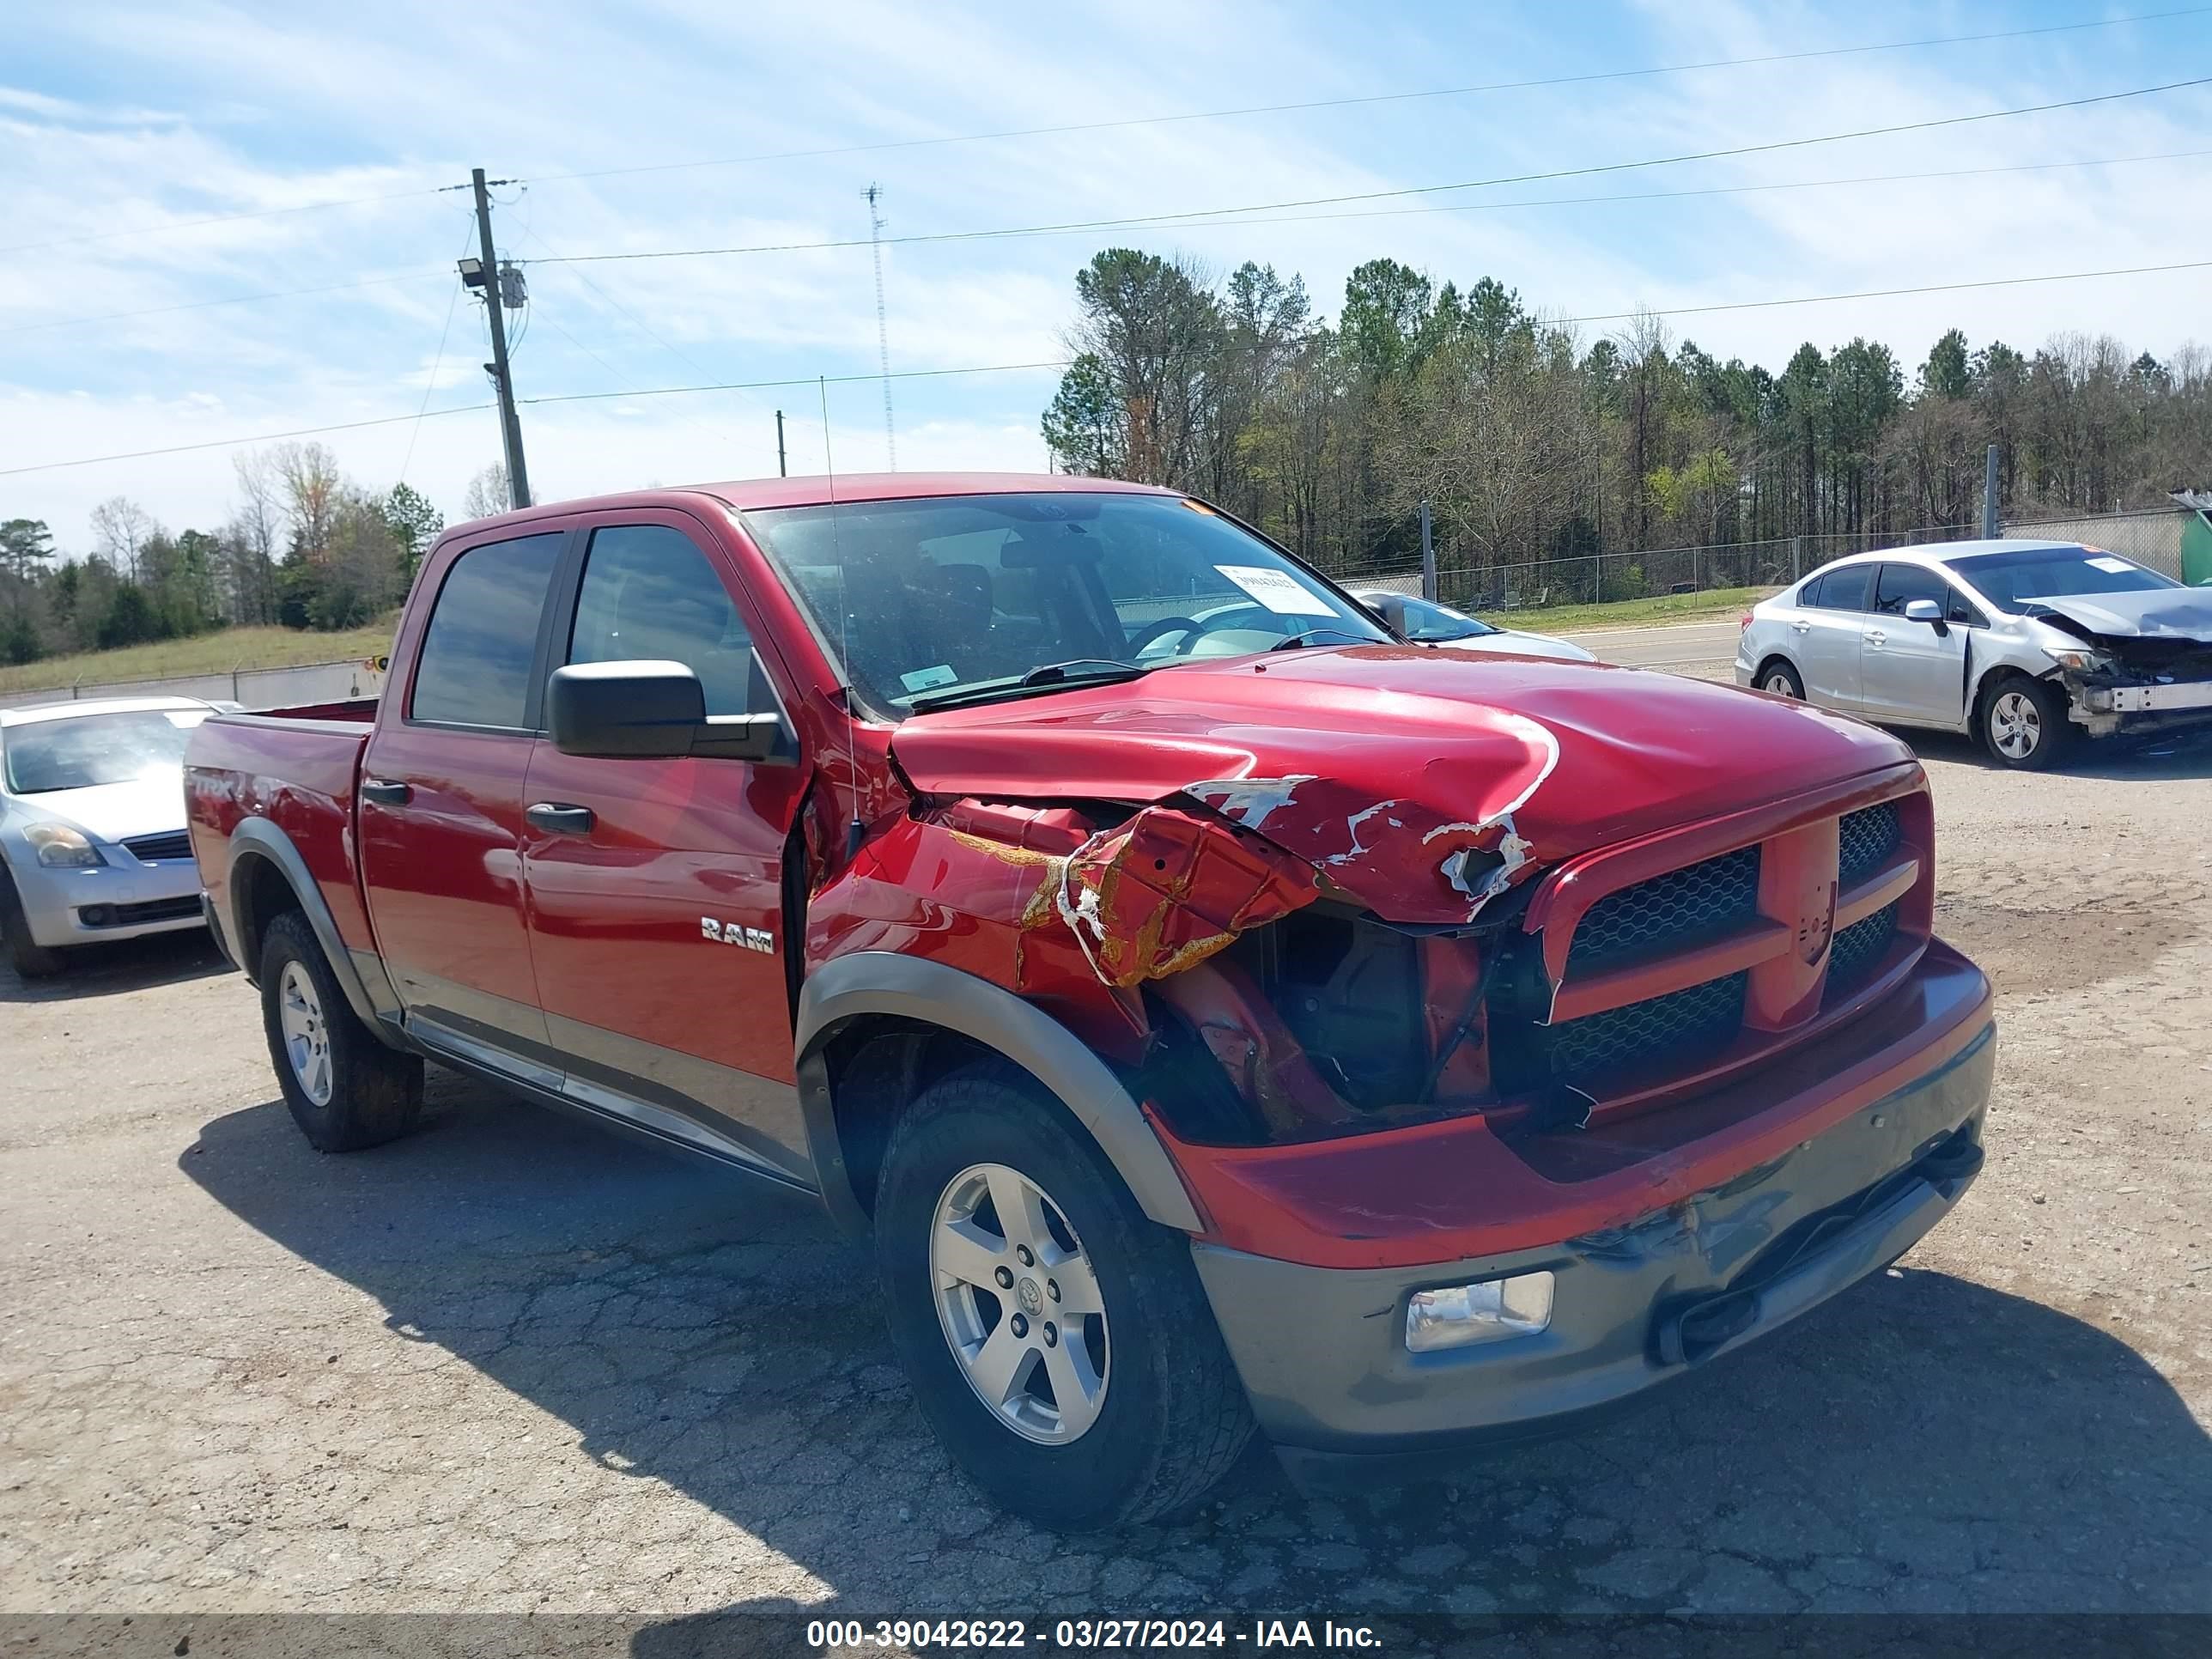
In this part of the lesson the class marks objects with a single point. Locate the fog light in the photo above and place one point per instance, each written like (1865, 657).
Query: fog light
(1461, 1313)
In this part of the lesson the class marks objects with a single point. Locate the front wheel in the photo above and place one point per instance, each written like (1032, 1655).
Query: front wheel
(2024, 723)
(346, 1090)
(29, 958)
(1057, 1341)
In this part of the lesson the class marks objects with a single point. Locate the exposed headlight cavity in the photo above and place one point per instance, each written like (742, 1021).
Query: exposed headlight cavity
(1460, 1315)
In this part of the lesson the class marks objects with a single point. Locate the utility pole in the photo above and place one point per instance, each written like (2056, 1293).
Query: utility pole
(1990, 527)
(781, 471)
(882, 329)
(1428, 558)
(502, 375)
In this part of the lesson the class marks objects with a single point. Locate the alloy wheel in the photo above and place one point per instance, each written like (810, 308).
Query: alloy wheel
(1019, 1304)
(2015, 725)
(307, 1036)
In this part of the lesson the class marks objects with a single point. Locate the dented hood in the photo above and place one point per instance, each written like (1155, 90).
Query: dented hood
(1418, 782)
(2155, 613)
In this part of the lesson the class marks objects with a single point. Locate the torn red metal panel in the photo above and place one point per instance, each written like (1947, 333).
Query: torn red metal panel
(1168, 890)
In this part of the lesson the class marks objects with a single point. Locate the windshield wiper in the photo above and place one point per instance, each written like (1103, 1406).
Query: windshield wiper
(1075, 671)
(1293, 641)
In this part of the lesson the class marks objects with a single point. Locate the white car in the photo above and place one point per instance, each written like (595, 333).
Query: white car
(93, 844)
(2023, 645)
(1426, 623)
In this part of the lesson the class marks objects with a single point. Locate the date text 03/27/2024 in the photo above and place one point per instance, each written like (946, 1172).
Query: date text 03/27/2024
(918, 1635)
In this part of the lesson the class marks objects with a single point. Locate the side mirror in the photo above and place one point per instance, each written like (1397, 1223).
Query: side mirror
(1925, 610)
(650, 710)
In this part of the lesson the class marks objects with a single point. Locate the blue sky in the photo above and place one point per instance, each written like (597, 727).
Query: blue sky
(133, 118)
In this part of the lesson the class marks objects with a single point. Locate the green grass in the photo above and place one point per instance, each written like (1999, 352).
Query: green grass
(1717, 603)
(205, 653)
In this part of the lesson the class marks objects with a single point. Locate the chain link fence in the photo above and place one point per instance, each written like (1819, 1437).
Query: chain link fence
(252, 688)
(1654, 573)
(2151, 538)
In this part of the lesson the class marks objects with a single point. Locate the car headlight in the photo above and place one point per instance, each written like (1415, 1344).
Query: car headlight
(2084, 662)
(1459, 1315)
(59, 846)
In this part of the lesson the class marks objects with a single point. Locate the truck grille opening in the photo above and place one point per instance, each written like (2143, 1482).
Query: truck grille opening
(1670, 1030)
(1866, 839)
(1677, 911)
(1853, 952)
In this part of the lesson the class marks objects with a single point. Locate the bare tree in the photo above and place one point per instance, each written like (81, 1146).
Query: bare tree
(313, 486)
(120, 531)
(489, 495)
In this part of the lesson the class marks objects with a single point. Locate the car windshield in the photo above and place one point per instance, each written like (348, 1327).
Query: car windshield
(961, 598)
(78, 751)
(2013, 581)
(1430, 621)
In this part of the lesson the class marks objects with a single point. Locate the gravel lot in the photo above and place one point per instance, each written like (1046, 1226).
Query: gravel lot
(514, 1364)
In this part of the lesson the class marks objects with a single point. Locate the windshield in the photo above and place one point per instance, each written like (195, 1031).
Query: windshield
(2011, 581)
(925, 600)
(1427, 621)
(81, 751)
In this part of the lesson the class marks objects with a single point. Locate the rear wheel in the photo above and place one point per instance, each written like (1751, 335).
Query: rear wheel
(2023, 724)
(1057, 1341)
(30, 959)
(346, 1091)
(1780, 678)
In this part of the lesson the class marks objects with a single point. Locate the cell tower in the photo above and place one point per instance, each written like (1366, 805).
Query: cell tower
(875, 223)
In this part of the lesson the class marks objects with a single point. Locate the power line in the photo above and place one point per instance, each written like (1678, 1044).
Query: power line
(1149, 219)
(216, 219)
(240, 443)
(227, 300)
(1062, 362)
(1374, 98)
(437, 363)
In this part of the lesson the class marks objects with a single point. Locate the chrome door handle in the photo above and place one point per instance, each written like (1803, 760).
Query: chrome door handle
(1875, 636)
(384, 792)
(1801, 627)
(560, 818)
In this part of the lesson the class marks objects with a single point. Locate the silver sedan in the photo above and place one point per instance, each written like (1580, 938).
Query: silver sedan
(92, 825)
(1426, 623)
(2023, 645)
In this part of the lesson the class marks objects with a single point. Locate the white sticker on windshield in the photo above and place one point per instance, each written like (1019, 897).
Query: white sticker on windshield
(2111, 566)
(922, 678)
(1280, 592)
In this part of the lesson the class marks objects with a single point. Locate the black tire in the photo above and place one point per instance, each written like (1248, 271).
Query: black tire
(30, 959)
(1173, 1418)
(375, 1093)
(1773, 668)
(2054, 732)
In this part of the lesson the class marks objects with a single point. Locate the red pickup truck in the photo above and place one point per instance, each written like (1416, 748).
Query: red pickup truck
(1223, 1014)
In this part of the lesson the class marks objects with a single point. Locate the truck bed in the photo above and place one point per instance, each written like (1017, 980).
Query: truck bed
(297, 768)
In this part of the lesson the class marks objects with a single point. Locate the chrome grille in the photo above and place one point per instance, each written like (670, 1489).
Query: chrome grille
(176, 844)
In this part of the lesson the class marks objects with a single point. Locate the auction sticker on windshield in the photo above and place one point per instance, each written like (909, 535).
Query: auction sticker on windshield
(1283, 594)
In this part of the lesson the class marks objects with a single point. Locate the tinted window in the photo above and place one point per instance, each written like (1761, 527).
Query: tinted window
(2013, 580)
(1810, 593)
(649, 594)
(924, 598)
(483, 635)
(1846, 589)
(1902, 583)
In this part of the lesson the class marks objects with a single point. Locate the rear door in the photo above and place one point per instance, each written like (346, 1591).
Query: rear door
(656, 897)
(1914, 670)
(1825, 636)
(441, 804)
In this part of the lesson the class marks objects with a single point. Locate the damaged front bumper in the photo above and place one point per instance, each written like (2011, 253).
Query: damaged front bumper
(1322, 1351)
(2106, 709)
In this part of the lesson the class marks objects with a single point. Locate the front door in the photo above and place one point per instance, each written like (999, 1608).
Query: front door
(440, 806)
(655, 885)
(1914, 670)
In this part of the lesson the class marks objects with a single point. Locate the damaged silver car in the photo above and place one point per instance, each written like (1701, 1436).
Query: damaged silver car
(2023, 645)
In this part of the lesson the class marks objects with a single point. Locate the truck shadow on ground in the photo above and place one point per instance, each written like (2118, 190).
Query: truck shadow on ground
(118, 969)
(1923, 1444)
